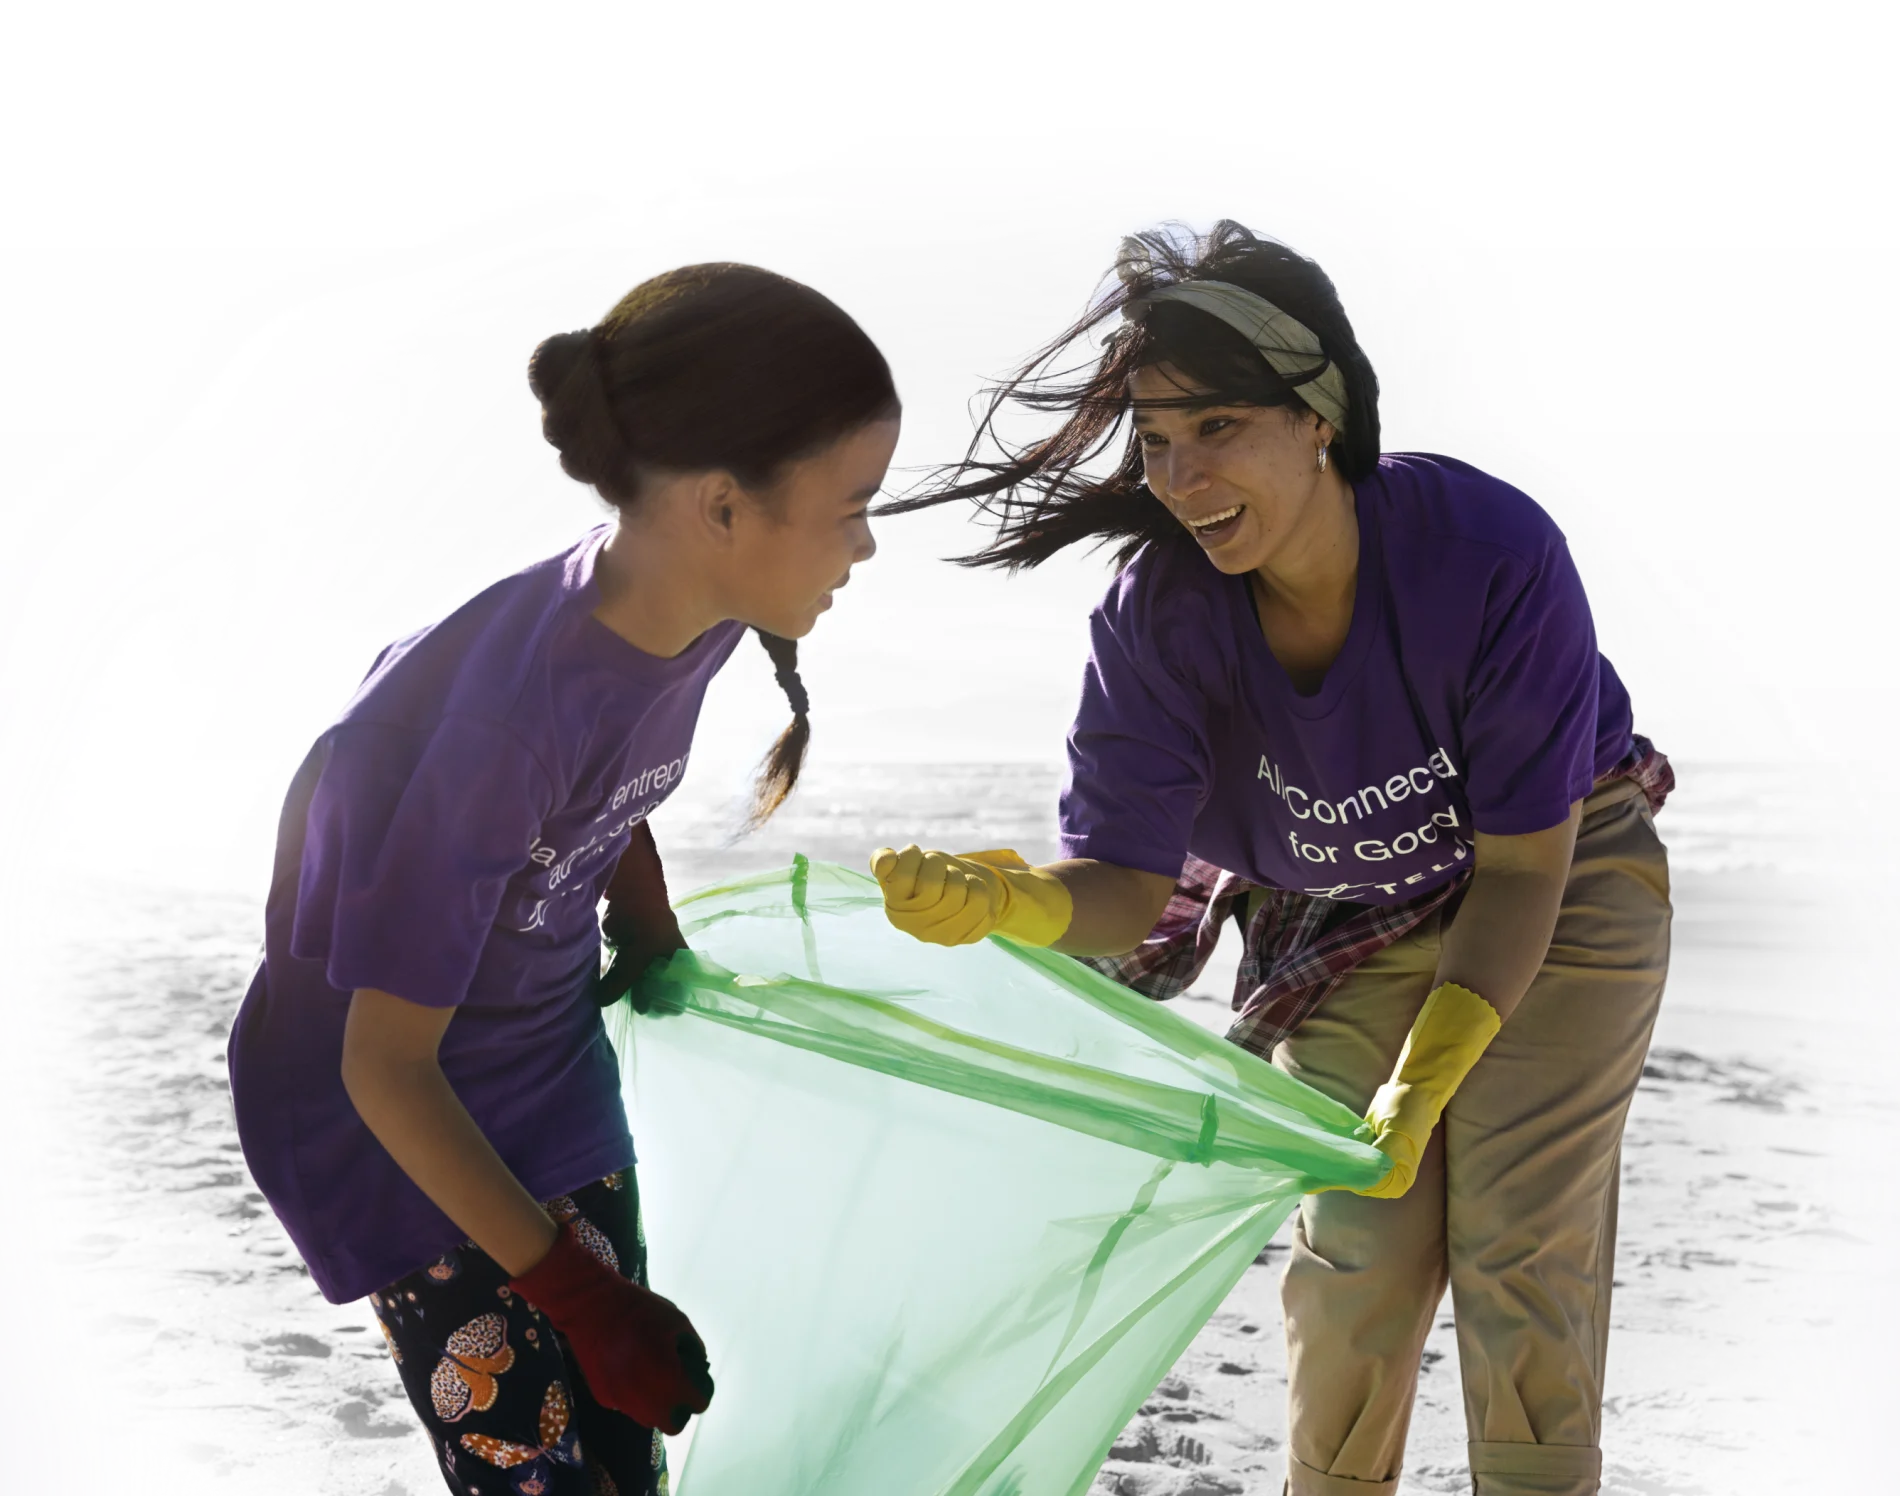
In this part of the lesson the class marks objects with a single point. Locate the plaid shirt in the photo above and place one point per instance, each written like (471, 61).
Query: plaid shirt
(1298, 946)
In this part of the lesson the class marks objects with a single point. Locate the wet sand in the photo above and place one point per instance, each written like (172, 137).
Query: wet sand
(1754, 1298)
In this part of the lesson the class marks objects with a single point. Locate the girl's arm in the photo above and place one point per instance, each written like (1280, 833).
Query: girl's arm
(640, 925)
(392, 1075)
(1502, 931)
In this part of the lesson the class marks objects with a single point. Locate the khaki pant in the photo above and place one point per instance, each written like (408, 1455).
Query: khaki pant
(1515, 1203)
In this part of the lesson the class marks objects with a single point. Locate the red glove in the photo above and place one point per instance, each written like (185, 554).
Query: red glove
(639, 1354)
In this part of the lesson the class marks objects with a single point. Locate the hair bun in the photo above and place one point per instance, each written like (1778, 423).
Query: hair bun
(554, 362)
(564, 375)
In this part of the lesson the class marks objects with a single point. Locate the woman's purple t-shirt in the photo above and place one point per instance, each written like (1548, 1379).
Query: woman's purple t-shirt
(447, 840)
(1469, 695)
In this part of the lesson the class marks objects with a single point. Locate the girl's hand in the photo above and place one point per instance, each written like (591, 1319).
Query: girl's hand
(640, 1355)
(633, 952)
(640, 927)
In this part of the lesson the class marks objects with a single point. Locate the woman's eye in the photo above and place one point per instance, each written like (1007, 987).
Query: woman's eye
(1153, 439)
(1215, 423)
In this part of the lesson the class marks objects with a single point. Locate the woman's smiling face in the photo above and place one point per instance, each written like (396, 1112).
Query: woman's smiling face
(1238, 477)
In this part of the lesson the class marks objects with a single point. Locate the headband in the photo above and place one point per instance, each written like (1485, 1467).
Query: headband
(1286, 343)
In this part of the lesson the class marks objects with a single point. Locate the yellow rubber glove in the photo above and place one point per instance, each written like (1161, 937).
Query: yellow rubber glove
(1449, 1034)
(950, 900)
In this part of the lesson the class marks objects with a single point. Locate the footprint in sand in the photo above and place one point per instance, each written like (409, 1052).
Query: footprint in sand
(221, 1460)
(120, 1323)
(1163, 1480)
(1734, 1082)
(90, 1247)
(358, 1422)
(1171, 1400)
(1667, 1397)
(1150, 1458)
(1648, 1481)
(292, 1344)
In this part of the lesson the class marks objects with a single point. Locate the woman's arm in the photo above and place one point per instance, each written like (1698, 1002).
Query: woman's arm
(1115, 907)
(1080, 907)
(1502, 931)
(392, 1076)
(1490, 955)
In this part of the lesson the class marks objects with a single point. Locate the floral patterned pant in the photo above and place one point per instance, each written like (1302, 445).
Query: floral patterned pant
(495, 1383)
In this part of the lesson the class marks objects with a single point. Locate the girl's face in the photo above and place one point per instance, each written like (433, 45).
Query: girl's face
(1239, 478)
(796, 546)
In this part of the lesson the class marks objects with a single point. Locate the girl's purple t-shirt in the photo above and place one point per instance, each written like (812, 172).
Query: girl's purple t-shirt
(1469, 695)
(448, 840)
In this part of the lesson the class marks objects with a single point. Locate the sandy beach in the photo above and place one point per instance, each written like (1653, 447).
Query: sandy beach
(1754, 1298)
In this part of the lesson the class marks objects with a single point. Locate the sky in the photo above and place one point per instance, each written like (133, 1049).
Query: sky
(270, 277)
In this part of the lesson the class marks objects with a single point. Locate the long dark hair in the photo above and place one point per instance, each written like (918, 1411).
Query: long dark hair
(1044, 496)
(713, 366)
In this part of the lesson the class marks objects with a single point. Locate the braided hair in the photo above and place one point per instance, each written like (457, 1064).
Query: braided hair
(779, 772)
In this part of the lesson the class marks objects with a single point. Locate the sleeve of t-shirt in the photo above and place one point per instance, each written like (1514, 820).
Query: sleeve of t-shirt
(409, 844)
(1531, 706)
(1139, 762)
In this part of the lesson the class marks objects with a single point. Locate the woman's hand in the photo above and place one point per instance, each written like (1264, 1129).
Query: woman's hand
(1449, 1035)
(1079, 907)
(945, 899)
(1494, 947)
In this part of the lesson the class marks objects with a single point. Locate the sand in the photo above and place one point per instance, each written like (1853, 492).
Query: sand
(152, 1291)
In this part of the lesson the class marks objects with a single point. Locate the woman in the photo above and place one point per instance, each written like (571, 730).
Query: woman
(1354, 702)
(424, 1088)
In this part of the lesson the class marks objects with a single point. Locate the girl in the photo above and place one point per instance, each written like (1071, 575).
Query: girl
(424, 1088)
(1354, 702)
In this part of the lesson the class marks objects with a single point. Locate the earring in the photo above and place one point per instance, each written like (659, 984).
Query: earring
(1322, 459)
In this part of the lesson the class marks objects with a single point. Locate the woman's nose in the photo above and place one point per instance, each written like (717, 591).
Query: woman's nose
(866, 547)
(1184, 476)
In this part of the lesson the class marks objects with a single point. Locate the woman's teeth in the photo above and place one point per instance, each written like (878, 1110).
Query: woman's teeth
(1207, 521)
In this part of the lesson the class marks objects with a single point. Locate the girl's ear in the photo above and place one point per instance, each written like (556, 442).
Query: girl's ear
(715, 502)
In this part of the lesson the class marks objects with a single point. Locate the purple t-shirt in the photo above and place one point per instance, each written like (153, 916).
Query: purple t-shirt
(447, 840)
(1469, 695)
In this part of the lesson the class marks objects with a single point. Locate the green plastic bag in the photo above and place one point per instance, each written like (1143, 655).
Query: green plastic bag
(944, 1217)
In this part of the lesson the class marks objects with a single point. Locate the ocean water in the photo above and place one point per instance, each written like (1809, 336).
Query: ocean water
(841, 812)
(1741, 843)
(1756, 858)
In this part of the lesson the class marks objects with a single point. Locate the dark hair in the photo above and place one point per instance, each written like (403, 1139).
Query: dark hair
(1043, 496)
(715, 366)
